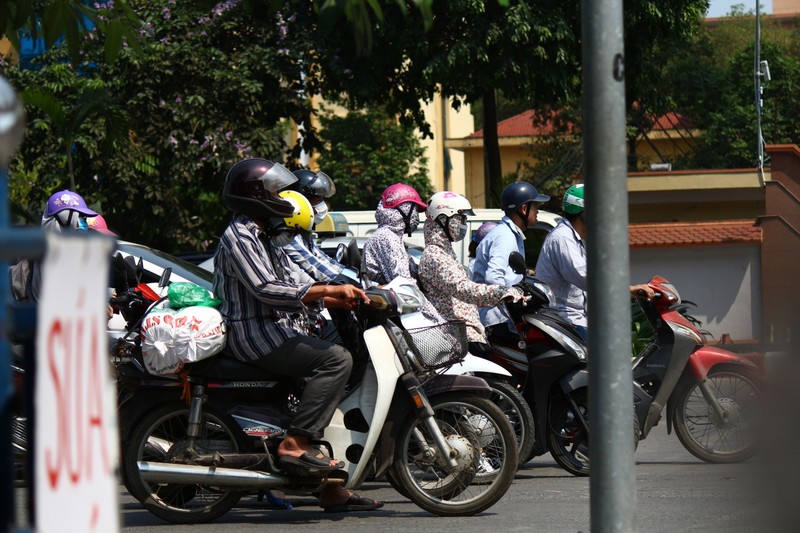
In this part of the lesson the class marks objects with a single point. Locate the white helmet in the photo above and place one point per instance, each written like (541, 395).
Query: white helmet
(448, 203)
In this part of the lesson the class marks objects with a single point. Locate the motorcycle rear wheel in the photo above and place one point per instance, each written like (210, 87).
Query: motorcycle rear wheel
(516, 408)
(703, 434)
(162, 435)
(484, 439)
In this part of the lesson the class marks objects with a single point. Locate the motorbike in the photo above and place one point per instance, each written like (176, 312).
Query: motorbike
(505, 394)
(548, 362)
(713, 397)
(194, 444)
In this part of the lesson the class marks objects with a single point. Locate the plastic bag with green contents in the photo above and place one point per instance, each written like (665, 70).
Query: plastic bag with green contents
(185, 294)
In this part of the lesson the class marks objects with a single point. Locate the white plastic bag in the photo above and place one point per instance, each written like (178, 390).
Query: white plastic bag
(170, 338)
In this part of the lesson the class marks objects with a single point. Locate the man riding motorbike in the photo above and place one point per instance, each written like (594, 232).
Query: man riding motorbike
(562, 263)
(519, 203)
(264, 302)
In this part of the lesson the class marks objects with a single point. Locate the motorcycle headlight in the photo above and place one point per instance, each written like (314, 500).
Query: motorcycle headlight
(410, 297)
(547, 291)
(690, 333)
(579, 350)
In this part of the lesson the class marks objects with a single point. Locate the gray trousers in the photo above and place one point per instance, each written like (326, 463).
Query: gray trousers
(326, 366)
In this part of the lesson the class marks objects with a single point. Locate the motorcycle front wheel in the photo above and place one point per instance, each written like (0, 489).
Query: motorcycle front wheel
(734, 436)
(161, 437)
(482, 440)
(567, 439)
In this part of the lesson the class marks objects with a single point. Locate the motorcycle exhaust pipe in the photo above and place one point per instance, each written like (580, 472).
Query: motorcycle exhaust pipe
(208, 475)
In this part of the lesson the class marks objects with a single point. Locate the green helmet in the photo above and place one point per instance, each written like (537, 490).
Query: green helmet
(573, 200)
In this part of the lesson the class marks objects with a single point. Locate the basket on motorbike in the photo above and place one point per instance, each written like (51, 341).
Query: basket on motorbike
(440, 345)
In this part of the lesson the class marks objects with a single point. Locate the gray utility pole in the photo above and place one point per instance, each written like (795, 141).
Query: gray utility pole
(613, 483)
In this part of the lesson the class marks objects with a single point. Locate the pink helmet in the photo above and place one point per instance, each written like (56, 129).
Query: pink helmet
(400, 193)
(98, 223)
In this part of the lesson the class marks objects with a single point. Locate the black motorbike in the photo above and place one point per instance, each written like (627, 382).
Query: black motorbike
(549, 363)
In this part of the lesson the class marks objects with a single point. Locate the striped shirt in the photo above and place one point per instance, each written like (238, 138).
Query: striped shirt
(311, 260)
(261, 291)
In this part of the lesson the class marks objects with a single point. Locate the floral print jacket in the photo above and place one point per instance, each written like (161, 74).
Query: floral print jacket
(385, 255)
(449, 289)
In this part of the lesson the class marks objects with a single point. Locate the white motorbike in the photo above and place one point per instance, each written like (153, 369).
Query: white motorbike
(435, 436)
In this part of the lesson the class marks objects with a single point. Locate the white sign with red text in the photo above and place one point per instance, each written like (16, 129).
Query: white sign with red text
(76, 427)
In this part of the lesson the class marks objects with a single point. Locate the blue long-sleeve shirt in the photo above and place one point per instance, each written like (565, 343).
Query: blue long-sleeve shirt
(311, 260)
(491, 264)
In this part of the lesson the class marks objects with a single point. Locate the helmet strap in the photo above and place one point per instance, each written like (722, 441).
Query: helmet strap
(407, 218)
(523, 213)
(445, 226)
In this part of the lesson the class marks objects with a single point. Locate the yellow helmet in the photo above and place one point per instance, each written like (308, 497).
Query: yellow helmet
(303, 216)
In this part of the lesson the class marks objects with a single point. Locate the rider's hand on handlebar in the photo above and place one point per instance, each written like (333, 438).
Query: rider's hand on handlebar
(515, 295)
(642, 291)
(345, 296)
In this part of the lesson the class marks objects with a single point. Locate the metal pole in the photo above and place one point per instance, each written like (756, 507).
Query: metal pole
(612, 484)
(11, 129)
(758, 88)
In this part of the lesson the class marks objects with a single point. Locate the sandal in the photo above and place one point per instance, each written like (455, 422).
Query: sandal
(313, 462)
(354, 503)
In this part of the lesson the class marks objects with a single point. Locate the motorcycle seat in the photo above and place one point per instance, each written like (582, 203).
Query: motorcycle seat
(225, 367)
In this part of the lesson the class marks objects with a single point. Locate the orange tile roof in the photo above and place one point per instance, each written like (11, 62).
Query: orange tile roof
(522, 125)
(693, 233)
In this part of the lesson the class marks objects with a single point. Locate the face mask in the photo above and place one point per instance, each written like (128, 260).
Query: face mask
(282, 238)
(456, 229)
(320, 212)
(67, 219)
(410, 217)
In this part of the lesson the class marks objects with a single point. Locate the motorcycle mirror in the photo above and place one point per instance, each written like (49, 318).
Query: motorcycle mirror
(165, 275)
(354, 254)
(139, 270)
(517, 263)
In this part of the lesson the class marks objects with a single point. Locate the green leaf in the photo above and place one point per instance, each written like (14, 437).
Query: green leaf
(113, 44)
(48, 103)
(56, 19)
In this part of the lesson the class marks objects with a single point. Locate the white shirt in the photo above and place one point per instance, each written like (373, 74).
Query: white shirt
(562, 266)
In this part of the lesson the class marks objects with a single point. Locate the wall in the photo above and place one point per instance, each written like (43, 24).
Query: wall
(724, 282)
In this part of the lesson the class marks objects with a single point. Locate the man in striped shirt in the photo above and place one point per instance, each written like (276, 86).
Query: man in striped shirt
(265, 304)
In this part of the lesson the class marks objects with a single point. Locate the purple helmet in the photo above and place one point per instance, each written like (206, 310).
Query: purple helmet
(483, 231)
(400, 193)
(67, 200)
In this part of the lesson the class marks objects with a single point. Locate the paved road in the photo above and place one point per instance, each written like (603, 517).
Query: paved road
(675, 493)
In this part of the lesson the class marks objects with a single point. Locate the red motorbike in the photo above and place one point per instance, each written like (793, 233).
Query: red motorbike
(713, 397)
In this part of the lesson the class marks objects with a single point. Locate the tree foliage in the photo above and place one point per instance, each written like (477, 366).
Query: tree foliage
(365, 152)
(714, 84)
(207, 89)
(530, 51)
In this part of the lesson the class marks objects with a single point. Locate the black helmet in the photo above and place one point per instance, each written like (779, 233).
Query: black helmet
(313, 184)
(248, 186)
(518, 194)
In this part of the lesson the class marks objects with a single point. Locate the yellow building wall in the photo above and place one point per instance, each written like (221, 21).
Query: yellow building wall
(7, 50)
(514, 150)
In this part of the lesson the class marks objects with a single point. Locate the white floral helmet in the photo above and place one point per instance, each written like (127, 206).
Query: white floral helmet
(448, 203)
